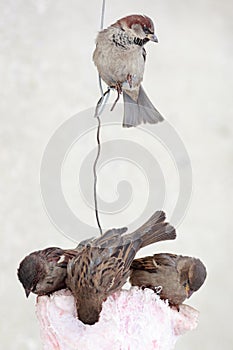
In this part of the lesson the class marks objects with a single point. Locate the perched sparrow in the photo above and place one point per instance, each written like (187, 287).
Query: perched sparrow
(44, 271)
(175, 276)
(120, 59)
(102, 266)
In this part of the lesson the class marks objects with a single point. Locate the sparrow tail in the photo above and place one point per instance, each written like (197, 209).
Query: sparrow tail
(155, 230)
(140, 111)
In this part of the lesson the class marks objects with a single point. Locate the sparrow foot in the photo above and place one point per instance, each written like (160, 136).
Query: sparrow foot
(130, 80)
(175, 307)
(118, 88)
(156, 289)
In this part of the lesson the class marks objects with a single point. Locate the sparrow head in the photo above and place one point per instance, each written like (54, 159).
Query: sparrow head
(193, 274)
(139, 27)
(31, 270)
(197, 275)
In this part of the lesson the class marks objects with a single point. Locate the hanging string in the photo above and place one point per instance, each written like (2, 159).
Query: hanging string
(101, 27)
(102, 15)
(99, 109)
(95, 176)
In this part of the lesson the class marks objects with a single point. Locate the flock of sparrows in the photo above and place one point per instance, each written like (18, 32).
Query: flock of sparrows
(98, 267)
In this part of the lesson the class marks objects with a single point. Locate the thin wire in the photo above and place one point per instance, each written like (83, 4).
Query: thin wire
(103, 102)
(101, 86)
(102, 15)
(95, 176)
(101, 27)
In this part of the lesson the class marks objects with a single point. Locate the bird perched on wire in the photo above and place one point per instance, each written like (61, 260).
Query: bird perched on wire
(120, 59)
(175, 277)
(103, 264)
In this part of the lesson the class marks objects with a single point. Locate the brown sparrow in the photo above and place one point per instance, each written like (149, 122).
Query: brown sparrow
(103, 265)
(44, 271)
(120, 59)
(174, 277)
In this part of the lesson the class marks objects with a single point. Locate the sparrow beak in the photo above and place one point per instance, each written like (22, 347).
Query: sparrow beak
(27, 292)
(153, 37)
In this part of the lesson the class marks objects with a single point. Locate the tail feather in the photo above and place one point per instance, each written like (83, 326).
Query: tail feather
(155, 230)
(139, 112)
(166, 232)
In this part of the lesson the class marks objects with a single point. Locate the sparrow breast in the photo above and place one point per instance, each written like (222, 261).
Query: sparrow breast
(116, 56)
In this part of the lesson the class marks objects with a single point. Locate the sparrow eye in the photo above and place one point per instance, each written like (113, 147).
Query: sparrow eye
(49, 282)
(147, 30)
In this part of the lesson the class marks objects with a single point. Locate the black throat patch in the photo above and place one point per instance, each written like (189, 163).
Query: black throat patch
(122, 40)
(140, 42)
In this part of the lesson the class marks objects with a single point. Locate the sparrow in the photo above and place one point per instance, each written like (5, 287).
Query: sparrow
(174, 277)
(102, 266)
(44, 271)
(120, 59)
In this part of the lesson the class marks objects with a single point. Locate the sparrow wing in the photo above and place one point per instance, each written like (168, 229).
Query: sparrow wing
(146, 264)
(84, 243)
(58, 255)
(165, 259)
(104, 240)
(115, 266)
(152, 263)
(100, 270)
(112, 237)
(51, 252)
(108, 276)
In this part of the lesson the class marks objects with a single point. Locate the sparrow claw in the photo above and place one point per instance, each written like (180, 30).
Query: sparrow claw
(130, 80)
(118, 88)
(175, 307)
(157, 290)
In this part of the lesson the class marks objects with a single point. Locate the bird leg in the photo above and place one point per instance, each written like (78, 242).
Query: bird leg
(118, 88)
(156, 289)
(130, 80)
(174, 307)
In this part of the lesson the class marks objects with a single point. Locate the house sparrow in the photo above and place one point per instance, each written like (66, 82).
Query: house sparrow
(176, 277)
(44, 271)
(103, 265)
(120, 59)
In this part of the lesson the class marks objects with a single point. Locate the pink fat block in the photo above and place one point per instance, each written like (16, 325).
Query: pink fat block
(132, 319)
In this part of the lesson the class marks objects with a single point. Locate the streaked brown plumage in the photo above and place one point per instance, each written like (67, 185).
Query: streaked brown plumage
(44, 271)
(102, 266)
(179, 276)
(96, 268)
(120, 59)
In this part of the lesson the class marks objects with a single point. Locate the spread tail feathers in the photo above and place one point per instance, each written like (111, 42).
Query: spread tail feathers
(155, 230)
(139, 112)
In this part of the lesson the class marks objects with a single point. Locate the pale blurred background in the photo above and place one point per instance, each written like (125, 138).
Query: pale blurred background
(47, 76)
